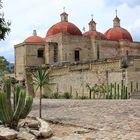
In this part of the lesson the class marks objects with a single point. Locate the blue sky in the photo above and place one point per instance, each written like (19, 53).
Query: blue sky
(26, 15)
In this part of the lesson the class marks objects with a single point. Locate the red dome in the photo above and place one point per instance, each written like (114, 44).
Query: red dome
(64, 27)
(118, 33)
(34, 39)
(94, 34)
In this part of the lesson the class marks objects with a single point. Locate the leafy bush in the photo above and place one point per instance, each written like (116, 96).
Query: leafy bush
(45, 95)
(67, 95)
(83, 97)
(56, 95)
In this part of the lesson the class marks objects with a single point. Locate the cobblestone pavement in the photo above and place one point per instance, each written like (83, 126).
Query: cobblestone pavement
(104, 119)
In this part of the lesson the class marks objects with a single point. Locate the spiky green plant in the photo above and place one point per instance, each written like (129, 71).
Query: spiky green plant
(111, 91)
(132, 89)
(7, 90)
(67, 95)
(40, 79)
(22, 105)
(118, 91)
(115, 91)
(137, 86)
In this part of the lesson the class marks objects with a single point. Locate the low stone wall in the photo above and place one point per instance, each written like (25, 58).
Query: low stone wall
(72, 78)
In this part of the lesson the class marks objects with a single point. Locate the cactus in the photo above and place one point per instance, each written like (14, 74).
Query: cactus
(71, 90)
(111, 91)
(115, 91)
(21, 107)
(122, 89)
(7, 86)
(131, 87)
(118, 91)
(4, 110)
(126, 93)
(7, 90)
(137, 86)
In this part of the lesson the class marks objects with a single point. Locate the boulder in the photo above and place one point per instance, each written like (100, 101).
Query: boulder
(23, 135)
(35, 132)
(45, 130)
(7, 133)
(29, 122)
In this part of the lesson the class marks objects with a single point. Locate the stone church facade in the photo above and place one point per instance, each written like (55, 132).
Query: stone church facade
(75, 58)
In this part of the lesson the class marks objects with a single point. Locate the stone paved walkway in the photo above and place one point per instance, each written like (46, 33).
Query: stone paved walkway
(105, 119)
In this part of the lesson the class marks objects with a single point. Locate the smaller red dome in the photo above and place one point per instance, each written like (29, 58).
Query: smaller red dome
(34, 39)
(64, 27)
(118, 33)
(94, 34)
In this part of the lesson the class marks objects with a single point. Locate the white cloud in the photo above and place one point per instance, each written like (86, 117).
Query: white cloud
(135, 29)
(27, 15)
(130, 3)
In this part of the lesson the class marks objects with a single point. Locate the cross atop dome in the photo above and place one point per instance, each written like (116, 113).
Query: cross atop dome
(116, 20)
(64, 9)
(91, 16)
(64, 15)
(116, 12)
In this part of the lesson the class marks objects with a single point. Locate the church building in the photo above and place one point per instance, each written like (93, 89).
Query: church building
(75, 58)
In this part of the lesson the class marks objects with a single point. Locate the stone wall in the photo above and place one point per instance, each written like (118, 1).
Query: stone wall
(75, 77)
(31, 55)
(133, 74)
(20, 61)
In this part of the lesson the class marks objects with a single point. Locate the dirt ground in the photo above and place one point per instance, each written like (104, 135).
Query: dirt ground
(92, 119)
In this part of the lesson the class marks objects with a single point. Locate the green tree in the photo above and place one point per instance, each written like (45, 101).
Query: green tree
(3, 63)
(4, 25)
(40, 79)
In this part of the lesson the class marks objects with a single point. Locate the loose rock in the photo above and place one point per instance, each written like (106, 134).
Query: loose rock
(7, 133)
(45, 130)
(25, 136)
(30, 122)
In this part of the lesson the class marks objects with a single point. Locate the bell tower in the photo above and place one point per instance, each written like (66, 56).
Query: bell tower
(116, 21)
(64, 16)
(92, 24)
(34, 33)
